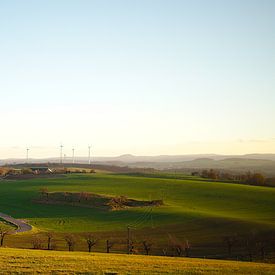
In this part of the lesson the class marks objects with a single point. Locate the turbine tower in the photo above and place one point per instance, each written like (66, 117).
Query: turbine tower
(27, 155)
(61, 154)
(89, 159)
(73, 155)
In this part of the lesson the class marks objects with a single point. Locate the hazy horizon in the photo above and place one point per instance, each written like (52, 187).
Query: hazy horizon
(140, 77)
(36, 156)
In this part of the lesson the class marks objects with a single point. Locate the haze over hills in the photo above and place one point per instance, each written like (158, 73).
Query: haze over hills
(129, 158)
(264, 163)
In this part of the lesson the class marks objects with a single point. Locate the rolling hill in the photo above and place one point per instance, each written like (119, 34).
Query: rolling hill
(202, 212)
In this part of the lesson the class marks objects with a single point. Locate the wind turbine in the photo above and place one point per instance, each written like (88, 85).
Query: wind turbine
(61, 153)
(73, 155)
(89, 159)
(27, 155)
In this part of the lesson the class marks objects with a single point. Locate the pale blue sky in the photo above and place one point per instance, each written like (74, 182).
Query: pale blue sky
(142, 77)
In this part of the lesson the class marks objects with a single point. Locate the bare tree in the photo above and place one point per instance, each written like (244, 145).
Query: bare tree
(230, 241)
(66, 195)
(261, 246)
(147, 245)
(109, 245)
(250, 245)
(87, 196)
(3, 233)
(187, 248)
(164, 252)
(37, 242)
(49, 239)
(179, 248)
(177, 245)
(264, 240)
(91, 241)
(81, 196)
(44, 192)
(70, 240)
(132, 249)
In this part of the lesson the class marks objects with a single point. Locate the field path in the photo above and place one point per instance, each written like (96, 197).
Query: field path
(21, 226)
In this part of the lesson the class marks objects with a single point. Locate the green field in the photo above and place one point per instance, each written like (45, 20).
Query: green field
(200, 211)
(48, 262)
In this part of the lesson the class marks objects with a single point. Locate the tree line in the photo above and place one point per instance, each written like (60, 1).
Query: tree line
(249, 246)
(47, 240)
(144, 246)
(245, 178)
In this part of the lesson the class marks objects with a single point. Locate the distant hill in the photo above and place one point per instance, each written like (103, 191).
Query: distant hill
(128, 158)
(233, 165)
(264, 163)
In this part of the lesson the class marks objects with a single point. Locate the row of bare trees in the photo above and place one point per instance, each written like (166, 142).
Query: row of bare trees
(247, 246)
(38, 240)
(48, 241)
(70, 240)
(251, 245)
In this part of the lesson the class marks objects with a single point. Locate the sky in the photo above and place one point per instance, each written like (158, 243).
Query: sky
(145, 77)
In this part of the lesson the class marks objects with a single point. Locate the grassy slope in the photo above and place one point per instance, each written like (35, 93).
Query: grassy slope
(33, 261)
(214, 209)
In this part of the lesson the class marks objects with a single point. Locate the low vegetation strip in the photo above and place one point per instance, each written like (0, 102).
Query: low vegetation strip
(21, 226)
(52, 262)
(91, 200)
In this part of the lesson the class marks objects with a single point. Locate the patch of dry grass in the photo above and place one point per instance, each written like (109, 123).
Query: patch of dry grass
(18, 261)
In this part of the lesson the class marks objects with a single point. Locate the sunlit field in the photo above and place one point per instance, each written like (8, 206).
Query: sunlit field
(53, 262)
(196, 210)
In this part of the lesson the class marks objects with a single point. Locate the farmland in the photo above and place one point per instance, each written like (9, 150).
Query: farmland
(197, 210)
(49, 262)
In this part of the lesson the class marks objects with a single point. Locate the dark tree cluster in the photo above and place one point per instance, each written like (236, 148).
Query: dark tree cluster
(247, 178)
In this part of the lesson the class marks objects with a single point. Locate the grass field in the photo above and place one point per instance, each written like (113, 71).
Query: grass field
(18, 261)
(200, 211)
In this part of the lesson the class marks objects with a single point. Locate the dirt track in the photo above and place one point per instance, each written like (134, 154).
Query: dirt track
(21, 226)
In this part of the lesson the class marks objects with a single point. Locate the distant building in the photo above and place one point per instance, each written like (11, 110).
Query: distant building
(14, 172)
(41, 170)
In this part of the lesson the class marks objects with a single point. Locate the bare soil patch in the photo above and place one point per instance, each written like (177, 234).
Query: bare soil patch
(92, 200)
